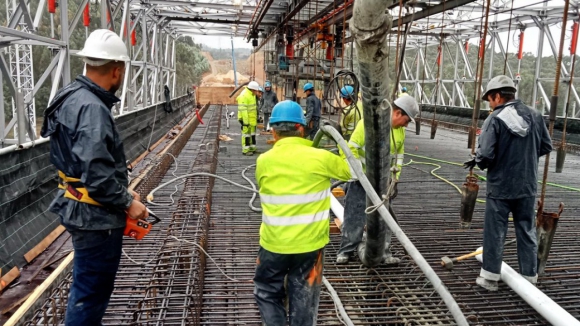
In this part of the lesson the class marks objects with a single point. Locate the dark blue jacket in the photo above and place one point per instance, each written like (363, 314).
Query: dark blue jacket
(512, 140)
(85, 144)
(313, 107)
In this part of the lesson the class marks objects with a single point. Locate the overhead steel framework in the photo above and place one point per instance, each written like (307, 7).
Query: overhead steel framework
(312, 37)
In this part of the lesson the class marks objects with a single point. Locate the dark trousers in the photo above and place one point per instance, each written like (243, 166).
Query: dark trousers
(495, 229)
(304, 272)
(266, 120)
(355, 220)
(313, 127)
(96, 260)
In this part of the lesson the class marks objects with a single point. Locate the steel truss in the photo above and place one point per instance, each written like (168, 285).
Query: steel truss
(457, 23)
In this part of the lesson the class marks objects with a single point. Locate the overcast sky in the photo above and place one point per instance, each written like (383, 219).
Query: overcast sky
(530, 39)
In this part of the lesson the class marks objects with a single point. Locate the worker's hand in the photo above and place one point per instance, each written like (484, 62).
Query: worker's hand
(469, 164)
(137, 211)
(136, 196)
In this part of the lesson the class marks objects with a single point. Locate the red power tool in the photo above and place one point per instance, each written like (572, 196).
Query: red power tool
(140, 228)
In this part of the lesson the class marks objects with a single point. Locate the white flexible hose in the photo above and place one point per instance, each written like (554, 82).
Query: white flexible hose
(337, 302)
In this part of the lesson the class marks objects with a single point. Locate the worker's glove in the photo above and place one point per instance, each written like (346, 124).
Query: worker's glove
(469, 164)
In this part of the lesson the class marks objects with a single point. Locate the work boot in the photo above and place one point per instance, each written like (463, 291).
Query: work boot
(531, 279)
(249, 153)
(486, 284)
(342, 259)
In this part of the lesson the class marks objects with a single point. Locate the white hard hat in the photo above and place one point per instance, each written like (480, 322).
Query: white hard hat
(499, 82)
(409, 105)
(254, 86)
(104, 46)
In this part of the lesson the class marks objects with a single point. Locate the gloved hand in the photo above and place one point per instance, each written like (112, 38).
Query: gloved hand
(469, 164)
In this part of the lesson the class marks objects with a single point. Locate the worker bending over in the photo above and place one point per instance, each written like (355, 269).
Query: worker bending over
(269, 99)
(248, 116)
(352, 114)
(512, 139)
(93, 200)
(313, 107)
(294, 180)
(404, 111)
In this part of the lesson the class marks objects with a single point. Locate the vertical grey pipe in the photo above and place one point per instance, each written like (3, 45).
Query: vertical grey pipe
(369, 26)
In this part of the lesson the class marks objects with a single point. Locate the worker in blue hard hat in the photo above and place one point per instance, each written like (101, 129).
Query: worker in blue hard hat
(294, 180)
(403, 92)
(269, 99)
(352, 113)
(313, 108)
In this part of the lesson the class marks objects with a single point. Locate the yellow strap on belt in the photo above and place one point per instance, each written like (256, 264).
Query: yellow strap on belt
(83, 193)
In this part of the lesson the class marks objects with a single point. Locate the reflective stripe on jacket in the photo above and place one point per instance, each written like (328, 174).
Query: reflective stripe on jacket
(294, 180)
(357, 146)
(247, 107)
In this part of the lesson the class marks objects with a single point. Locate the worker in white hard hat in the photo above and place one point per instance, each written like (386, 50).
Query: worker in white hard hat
(93, 200)
(248, 116)
(405, 109)
(513, 138)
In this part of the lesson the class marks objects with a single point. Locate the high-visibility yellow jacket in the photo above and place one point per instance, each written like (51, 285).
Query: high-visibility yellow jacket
(350, 119)
(294, 180)
(357, 146)
(247, 107)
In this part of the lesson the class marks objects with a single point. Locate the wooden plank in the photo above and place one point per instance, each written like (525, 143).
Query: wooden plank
(38, 292)
(15, 304)
(39, 248)
(9, 277)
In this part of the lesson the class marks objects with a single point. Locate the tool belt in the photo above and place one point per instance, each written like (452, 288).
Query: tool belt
(74, 189)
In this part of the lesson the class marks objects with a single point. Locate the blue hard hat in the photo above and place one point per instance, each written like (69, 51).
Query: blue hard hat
(261, 89)
(287, 111)
(267, 84)
(404, 89)
(347, 91)
(308, 86)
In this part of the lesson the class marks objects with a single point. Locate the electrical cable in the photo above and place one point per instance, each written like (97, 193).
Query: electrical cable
(333, 93)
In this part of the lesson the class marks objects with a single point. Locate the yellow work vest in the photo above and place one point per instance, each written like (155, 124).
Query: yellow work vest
(294, 180)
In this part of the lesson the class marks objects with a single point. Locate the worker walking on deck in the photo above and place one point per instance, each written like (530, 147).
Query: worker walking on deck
(403, 92)
(512, 140)
(268, 101)
(352, 114)
(93, 200)
(404, 111)
(294, 180)
(248, 116)
(313, 107)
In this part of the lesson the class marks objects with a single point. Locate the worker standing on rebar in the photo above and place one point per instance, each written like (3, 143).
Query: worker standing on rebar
(93, 200)
(294, 180)
(512, 140)
(268, 101)
(248, 116)
(352, 114)
(313, 109)
(405, 109)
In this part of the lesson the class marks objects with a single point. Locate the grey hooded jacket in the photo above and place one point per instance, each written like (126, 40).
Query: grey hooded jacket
(85, 144)
(269, 99)
(512, 140)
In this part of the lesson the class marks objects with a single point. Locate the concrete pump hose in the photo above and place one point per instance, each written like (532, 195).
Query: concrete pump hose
(394, 227)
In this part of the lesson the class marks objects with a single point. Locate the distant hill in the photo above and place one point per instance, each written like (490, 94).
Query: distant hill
(221, 54)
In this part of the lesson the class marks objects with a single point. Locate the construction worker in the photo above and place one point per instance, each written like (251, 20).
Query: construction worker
(93, 201)
(294, 180)
(248, 116)
(404, 111)
(403, 92)
(512, 140)
(352, 114)
(313, 107)
(269, 100)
